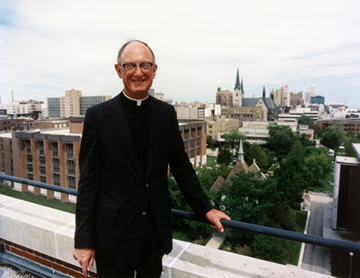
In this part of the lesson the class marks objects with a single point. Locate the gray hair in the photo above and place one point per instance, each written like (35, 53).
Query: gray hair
(127, 43)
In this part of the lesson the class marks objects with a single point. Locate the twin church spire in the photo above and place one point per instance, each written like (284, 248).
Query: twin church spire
(239, 85)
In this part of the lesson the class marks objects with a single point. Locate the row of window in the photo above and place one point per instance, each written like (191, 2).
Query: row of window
(55, 163)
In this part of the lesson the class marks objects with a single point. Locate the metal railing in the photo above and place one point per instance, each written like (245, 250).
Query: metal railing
(310, 239)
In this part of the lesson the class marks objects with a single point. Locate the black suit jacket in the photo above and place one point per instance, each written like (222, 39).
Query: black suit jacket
(113, 192)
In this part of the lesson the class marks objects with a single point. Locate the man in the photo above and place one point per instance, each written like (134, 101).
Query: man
(123, 212)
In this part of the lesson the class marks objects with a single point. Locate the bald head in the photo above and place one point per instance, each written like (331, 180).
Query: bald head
(132, 41)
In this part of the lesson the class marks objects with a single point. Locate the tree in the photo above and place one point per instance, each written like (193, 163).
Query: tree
(224, 156)
(305, 120)
(270, 155)
(334, 136)
(320, 165)
(246, 148)
(211, 143)
(255, 152)
(317, 130)
(249, 198)
(281, 139)
(293, 177)
(303, 139)
(349, 140)
(208, 176)
(191, 228)
(232, 139)
(331, 139)
(270, 248)
(298, 150)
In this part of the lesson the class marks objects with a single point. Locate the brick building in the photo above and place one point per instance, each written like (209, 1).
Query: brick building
(51, 155)
(16, 124)
(350, 125)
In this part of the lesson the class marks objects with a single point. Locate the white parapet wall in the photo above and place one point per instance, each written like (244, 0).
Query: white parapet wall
(50, 232)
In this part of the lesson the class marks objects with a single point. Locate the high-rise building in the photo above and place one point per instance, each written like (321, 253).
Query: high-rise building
(317, 100)
(72, 104)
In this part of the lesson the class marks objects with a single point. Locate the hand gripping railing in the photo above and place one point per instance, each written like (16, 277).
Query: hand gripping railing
(316, 240)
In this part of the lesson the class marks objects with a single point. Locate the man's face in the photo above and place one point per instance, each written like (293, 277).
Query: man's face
(136, 82)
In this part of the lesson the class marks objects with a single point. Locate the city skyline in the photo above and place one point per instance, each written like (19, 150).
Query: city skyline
(49, 47)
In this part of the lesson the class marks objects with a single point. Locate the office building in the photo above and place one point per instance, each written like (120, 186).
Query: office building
(317, 100)
(72, 104)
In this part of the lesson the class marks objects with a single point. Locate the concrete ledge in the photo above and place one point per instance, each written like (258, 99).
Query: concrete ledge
(50, 232)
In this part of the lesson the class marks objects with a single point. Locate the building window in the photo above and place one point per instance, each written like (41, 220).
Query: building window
(55, 150)
(69, 150)
(71, 182)
(29, 164)
(56, 179)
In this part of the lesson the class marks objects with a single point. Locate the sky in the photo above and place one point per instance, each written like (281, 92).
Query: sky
(47, 47)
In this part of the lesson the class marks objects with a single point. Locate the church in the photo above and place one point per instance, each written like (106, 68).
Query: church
(234, 105)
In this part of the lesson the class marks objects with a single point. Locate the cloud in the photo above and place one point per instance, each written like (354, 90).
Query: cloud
(50, 46)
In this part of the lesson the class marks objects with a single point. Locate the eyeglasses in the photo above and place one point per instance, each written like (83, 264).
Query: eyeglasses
(145, 66)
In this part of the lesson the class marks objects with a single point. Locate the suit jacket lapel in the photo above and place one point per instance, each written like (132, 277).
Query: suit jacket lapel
(119, 122)
(155, 134)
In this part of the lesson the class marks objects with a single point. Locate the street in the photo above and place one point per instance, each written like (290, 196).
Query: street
(317, 258)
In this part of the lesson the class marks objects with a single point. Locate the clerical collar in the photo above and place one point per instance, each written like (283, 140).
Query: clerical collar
(138, 101)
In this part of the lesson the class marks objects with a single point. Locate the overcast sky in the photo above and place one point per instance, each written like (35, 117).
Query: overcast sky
(47, 47)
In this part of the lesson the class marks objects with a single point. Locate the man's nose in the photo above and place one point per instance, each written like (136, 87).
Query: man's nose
(138, 70)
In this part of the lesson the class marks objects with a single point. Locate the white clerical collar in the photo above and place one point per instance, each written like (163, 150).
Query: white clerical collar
(138, 101)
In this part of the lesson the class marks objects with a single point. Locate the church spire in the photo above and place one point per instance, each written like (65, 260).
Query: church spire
(237, 83)
(264, 92)
(242, 87)
(241, 152)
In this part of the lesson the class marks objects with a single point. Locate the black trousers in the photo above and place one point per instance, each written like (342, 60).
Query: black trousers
(147, 264)
(144, 267)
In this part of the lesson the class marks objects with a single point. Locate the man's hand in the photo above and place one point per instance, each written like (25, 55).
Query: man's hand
(85, 257)
(214, 216)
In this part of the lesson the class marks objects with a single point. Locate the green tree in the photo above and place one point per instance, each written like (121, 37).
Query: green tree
(191, 228)
(281, 139)
(334, 136)
(270, 248)
(270, 156)
(249, 199)
(298, 150)
(293, 177)
(317, 130)
(224, 156)
(349, 140)
(211, 143)
(255, 152)
(331, 139)
(232, 139)
(207, 176)
(246, 148)
(305, 120)
(320, 165)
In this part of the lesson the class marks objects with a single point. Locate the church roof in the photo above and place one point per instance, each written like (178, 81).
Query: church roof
(249, 102)
(218, 183)
(239, 166)
(254, 168)
(269, 103)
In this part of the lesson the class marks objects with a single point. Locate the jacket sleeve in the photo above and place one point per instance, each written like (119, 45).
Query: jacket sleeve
(90, 171)
(184, 173)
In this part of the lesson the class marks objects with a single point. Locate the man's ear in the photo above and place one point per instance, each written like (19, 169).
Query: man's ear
(118, 70)
(154, 71)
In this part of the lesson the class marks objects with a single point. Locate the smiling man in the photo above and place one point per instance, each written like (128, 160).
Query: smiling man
(123, 212)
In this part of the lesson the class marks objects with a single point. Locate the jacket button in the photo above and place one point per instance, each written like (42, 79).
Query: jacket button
(144, 212)
(147, 185)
